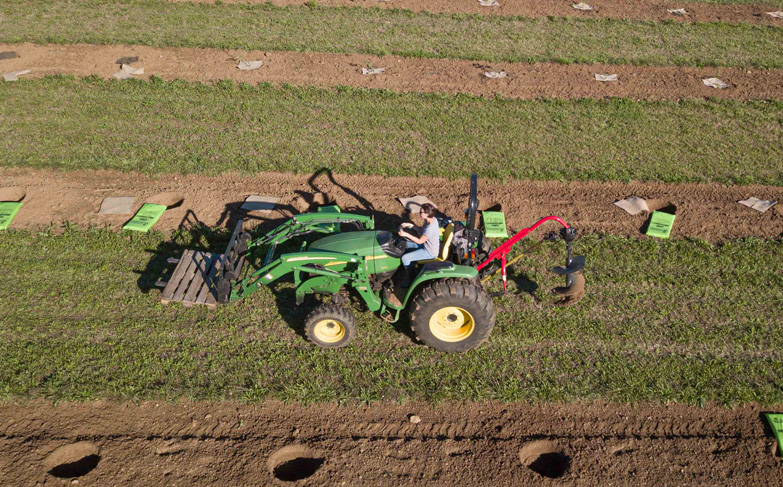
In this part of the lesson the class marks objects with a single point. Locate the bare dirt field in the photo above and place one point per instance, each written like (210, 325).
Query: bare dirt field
(523, 80)
(611, 9)
(225, 443)
(705, 211)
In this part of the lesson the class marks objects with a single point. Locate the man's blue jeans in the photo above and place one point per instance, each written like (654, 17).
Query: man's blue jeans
(419, 254)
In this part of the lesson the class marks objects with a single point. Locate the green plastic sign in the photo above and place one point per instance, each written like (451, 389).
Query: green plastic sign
(494, 224)
(147, 216)
(660, 224)
(8, 210)
(776, 423)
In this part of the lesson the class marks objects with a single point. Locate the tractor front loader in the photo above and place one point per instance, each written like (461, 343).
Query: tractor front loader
(447, 306)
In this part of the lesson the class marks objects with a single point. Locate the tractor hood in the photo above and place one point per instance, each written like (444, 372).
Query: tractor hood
(360, 243)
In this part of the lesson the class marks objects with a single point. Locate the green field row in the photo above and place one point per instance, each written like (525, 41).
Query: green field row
(383, 31)
(662, 320)
(182, 127)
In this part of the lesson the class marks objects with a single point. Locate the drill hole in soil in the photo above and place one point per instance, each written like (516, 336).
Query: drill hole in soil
(76, 469)
(74, 460)
(545, 458)
(295, 462)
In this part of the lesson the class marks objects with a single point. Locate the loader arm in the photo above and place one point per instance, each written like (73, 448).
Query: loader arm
(314, 263)
(307, 223)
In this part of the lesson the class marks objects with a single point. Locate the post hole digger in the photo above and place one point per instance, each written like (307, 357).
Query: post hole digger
(447, 306)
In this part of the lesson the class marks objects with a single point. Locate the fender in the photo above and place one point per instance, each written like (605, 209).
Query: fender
(439, 270)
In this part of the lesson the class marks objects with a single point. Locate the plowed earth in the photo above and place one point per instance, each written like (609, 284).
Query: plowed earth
(402, 74)
(611, 9)
(708, 212)
(453, 444)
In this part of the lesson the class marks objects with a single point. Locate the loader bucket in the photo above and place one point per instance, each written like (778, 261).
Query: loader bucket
(233, 261)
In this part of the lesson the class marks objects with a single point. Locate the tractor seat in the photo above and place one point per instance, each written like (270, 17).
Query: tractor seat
(437, 265)
(448, 236)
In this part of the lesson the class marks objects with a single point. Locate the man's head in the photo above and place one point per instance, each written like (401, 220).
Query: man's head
(427, 211)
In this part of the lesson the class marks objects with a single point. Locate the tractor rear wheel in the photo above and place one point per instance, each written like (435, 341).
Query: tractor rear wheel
(331, 326)
(452, 315)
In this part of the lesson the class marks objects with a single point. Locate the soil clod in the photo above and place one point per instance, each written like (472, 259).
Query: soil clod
(545, 458)
(74, 460)
(295, 462)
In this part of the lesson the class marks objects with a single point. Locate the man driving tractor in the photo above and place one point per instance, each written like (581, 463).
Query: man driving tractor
(425, 247)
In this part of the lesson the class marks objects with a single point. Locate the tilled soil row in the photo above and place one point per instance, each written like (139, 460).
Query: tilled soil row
(227, 443)
(705, 211)
(523, 80)
(606, 9)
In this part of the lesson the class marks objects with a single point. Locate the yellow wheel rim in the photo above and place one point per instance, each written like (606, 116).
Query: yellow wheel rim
(329, 331)
(452, 324)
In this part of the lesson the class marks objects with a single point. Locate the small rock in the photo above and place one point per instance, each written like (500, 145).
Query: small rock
(715, 83)
(605, 77)
(414, 419)
(249, 65)
(495, 74)
(582, 6)
(373, 71)
(170, 448)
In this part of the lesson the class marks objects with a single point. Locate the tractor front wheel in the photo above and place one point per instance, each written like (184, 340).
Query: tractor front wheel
(331, 326)
(452, 315)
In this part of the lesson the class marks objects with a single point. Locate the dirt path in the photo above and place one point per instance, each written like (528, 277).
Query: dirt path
(708, 212)
(402, 74)
(453, 444)
(611, 9)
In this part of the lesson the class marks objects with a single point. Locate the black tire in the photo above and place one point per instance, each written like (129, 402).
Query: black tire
(458, 301)
(321, 324)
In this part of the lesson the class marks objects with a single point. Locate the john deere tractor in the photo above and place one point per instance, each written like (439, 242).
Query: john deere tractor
(446, 305)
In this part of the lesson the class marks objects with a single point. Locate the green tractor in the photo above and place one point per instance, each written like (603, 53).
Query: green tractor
(447, 307)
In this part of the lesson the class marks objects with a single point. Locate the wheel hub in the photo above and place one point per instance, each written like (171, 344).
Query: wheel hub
(452, 324)
(329, 331)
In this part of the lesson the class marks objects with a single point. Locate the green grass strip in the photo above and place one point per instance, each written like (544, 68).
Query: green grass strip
(662, 320)
(381, 32)
(182, 127)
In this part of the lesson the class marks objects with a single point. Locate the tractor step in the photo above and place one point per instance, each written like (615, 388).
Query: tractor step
(193, 280)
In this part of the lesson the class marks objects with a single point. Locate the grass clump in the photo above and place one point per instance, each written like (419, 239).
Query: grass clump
(382, 31)
(677, 321)
(182, 127)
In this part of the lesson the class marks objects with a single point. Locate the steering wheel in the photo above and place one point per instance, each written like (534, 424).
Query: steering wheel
(411, 230)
